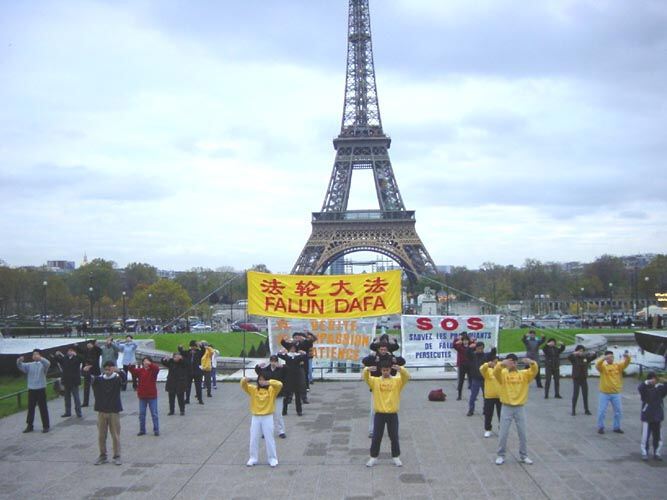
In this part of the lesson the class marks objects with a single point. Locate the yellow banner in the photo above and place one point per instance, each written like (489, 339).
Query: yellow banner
(324, 296)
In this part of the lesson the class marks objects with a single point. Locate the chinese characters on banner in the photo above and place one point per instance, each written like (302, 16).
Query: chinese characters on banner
(324, 297)
(429, 340)
(339, 341)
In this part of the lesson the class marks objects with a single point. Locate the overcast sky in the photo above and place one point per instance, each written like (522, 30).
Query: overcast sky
(198, 133)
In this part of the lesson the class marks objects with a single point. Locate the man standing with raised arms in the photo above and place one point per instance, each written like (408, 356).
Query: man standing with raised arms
(611, 386)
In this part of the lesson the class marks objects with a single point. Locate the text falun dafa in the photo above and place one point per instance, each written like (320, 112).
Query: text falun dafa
(320, 296)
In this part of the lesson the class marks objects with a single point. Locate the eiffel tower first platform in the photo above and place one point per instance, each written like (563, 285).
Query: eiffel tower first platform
(362, 144)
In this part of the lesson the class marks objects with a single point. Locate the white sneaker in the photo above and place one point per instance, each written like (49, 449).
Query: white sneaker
(487, 434)
(500, 461)
(273, 463)
(397, 462)
(251, 463)
(526, 460)
(371, 462)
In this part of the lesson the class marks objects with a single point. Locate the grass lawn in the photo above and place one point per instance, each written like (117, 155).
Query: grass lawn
(229, 344)
(510, 340)
(9, 385)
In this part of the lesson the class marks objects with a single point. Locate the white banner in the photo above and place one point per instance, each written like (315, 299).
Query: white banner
(429, 340)
(338, 341)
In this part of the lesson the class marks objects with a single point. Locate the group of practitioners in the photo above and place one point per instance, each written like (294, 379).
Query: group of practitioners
(98, 366)
(503, 383)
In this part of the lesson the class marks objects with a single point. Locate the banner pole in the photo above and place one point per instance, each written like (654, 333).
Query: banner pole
(244, 353)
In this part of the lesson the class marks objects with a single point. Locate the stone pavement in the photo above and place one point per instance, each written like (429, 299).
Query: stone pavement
(203, 454)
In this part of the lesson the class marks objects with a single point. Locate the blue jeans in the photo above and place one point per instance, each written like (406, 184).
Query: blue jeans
(152, 404)
(475, 386)
(615, 400)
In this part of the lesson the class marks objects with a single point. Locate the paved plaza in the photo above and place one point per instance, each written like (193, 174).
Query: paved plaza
(203, 454)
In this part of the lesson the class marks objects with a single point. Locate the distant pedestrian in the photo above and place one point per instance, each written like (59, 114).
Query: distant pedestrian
(653, 394)
(108, 407)
(262, 405)
(36, 371)
(386, 401)
(70, 365)
(552, 367)
(177, 380)
(581, 361)
(146, 376)
(533, 344)
(129, 350)
(491, 395)
(513, 385)
(611, 386)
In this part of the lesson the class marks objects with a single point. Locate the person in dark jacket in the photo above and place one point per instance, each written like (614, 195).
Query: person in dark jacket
(391, 343)
(195, 373)
(274, 371)
(476, 357)
(91, 354)
(552, 366)
(177, 381)
(108, 407)
(295, 381)
(653, 394)
(533, 344)
(70, 365)
(302, 343)
(581, 361)
(461, 345)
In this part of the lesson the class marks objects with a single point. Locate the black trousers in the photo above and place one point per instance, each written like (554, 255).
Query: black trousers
(287, 399)
(126, 369)
(86, 386)
(207, 382)
(583, 385)
(173, 395)
(489, 405)
(462, 372)
(37, 397)
(196, 378)
(391, 419)
(552, 371)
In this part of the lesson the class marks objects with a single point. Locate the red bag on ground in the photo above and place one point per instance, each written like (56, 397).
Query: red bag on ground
(437, 395)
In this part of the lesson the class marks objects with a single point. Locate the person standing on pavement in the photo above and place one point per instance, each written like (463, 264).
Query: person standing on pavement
(533, 344)
(70, 365)
(476, 358)
(491, 394)
(262, 406)
(110, 351)
(461, 345)
(207, 366)
(129, 350)
(195, 374)
(386, 400)
(295, 378)
(581, 361)
(146, 376)
(652, 393)
(91, 357)
(611, 386)
(513, 385)
(552, 367)
(214, 367)
(36, 371)
(177, 381)
(108, 407)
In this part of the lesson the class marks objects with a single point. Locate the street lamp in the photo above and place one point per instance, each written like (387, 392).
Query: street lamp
(647, 305)
(90, 296)
(124, 294)
(44, 284)
(150, 305)
(611, 299)
(581, 296)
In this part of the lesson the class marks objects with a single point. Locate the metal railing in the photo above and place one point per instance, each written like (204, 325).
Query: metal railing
(19, 393)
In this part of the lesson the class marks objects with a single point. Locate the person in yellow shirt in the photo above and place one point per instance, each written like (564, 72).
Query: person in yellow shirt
(513, 391)
(262, 404)
(207, 366)
(491, 394)
(386, 403)
(611, 386)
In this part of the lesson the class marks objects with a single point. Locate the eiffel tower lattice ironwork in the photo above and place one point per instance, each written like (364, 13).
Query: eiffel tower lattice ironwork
(337, 231)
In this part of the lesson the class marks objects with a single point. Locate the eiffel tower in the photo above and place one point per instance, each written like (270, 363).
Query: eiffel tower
(362, 144)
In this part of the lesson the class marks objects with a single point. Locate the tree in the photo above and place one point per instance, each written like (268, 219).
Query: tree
(163, 300)
(137, 273)
(101, 274)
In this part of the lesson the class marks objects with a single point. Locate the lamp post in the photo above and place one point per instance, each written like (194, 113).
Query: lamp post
(44, 284)
(150, 305)
(647, 304)
(90, 296)
(124, 295)
(581, 296)
(611, 299)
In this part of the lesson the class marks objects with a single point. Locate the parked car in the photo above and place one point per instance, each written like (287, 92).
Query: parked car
(200, 327)
(244, 326)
